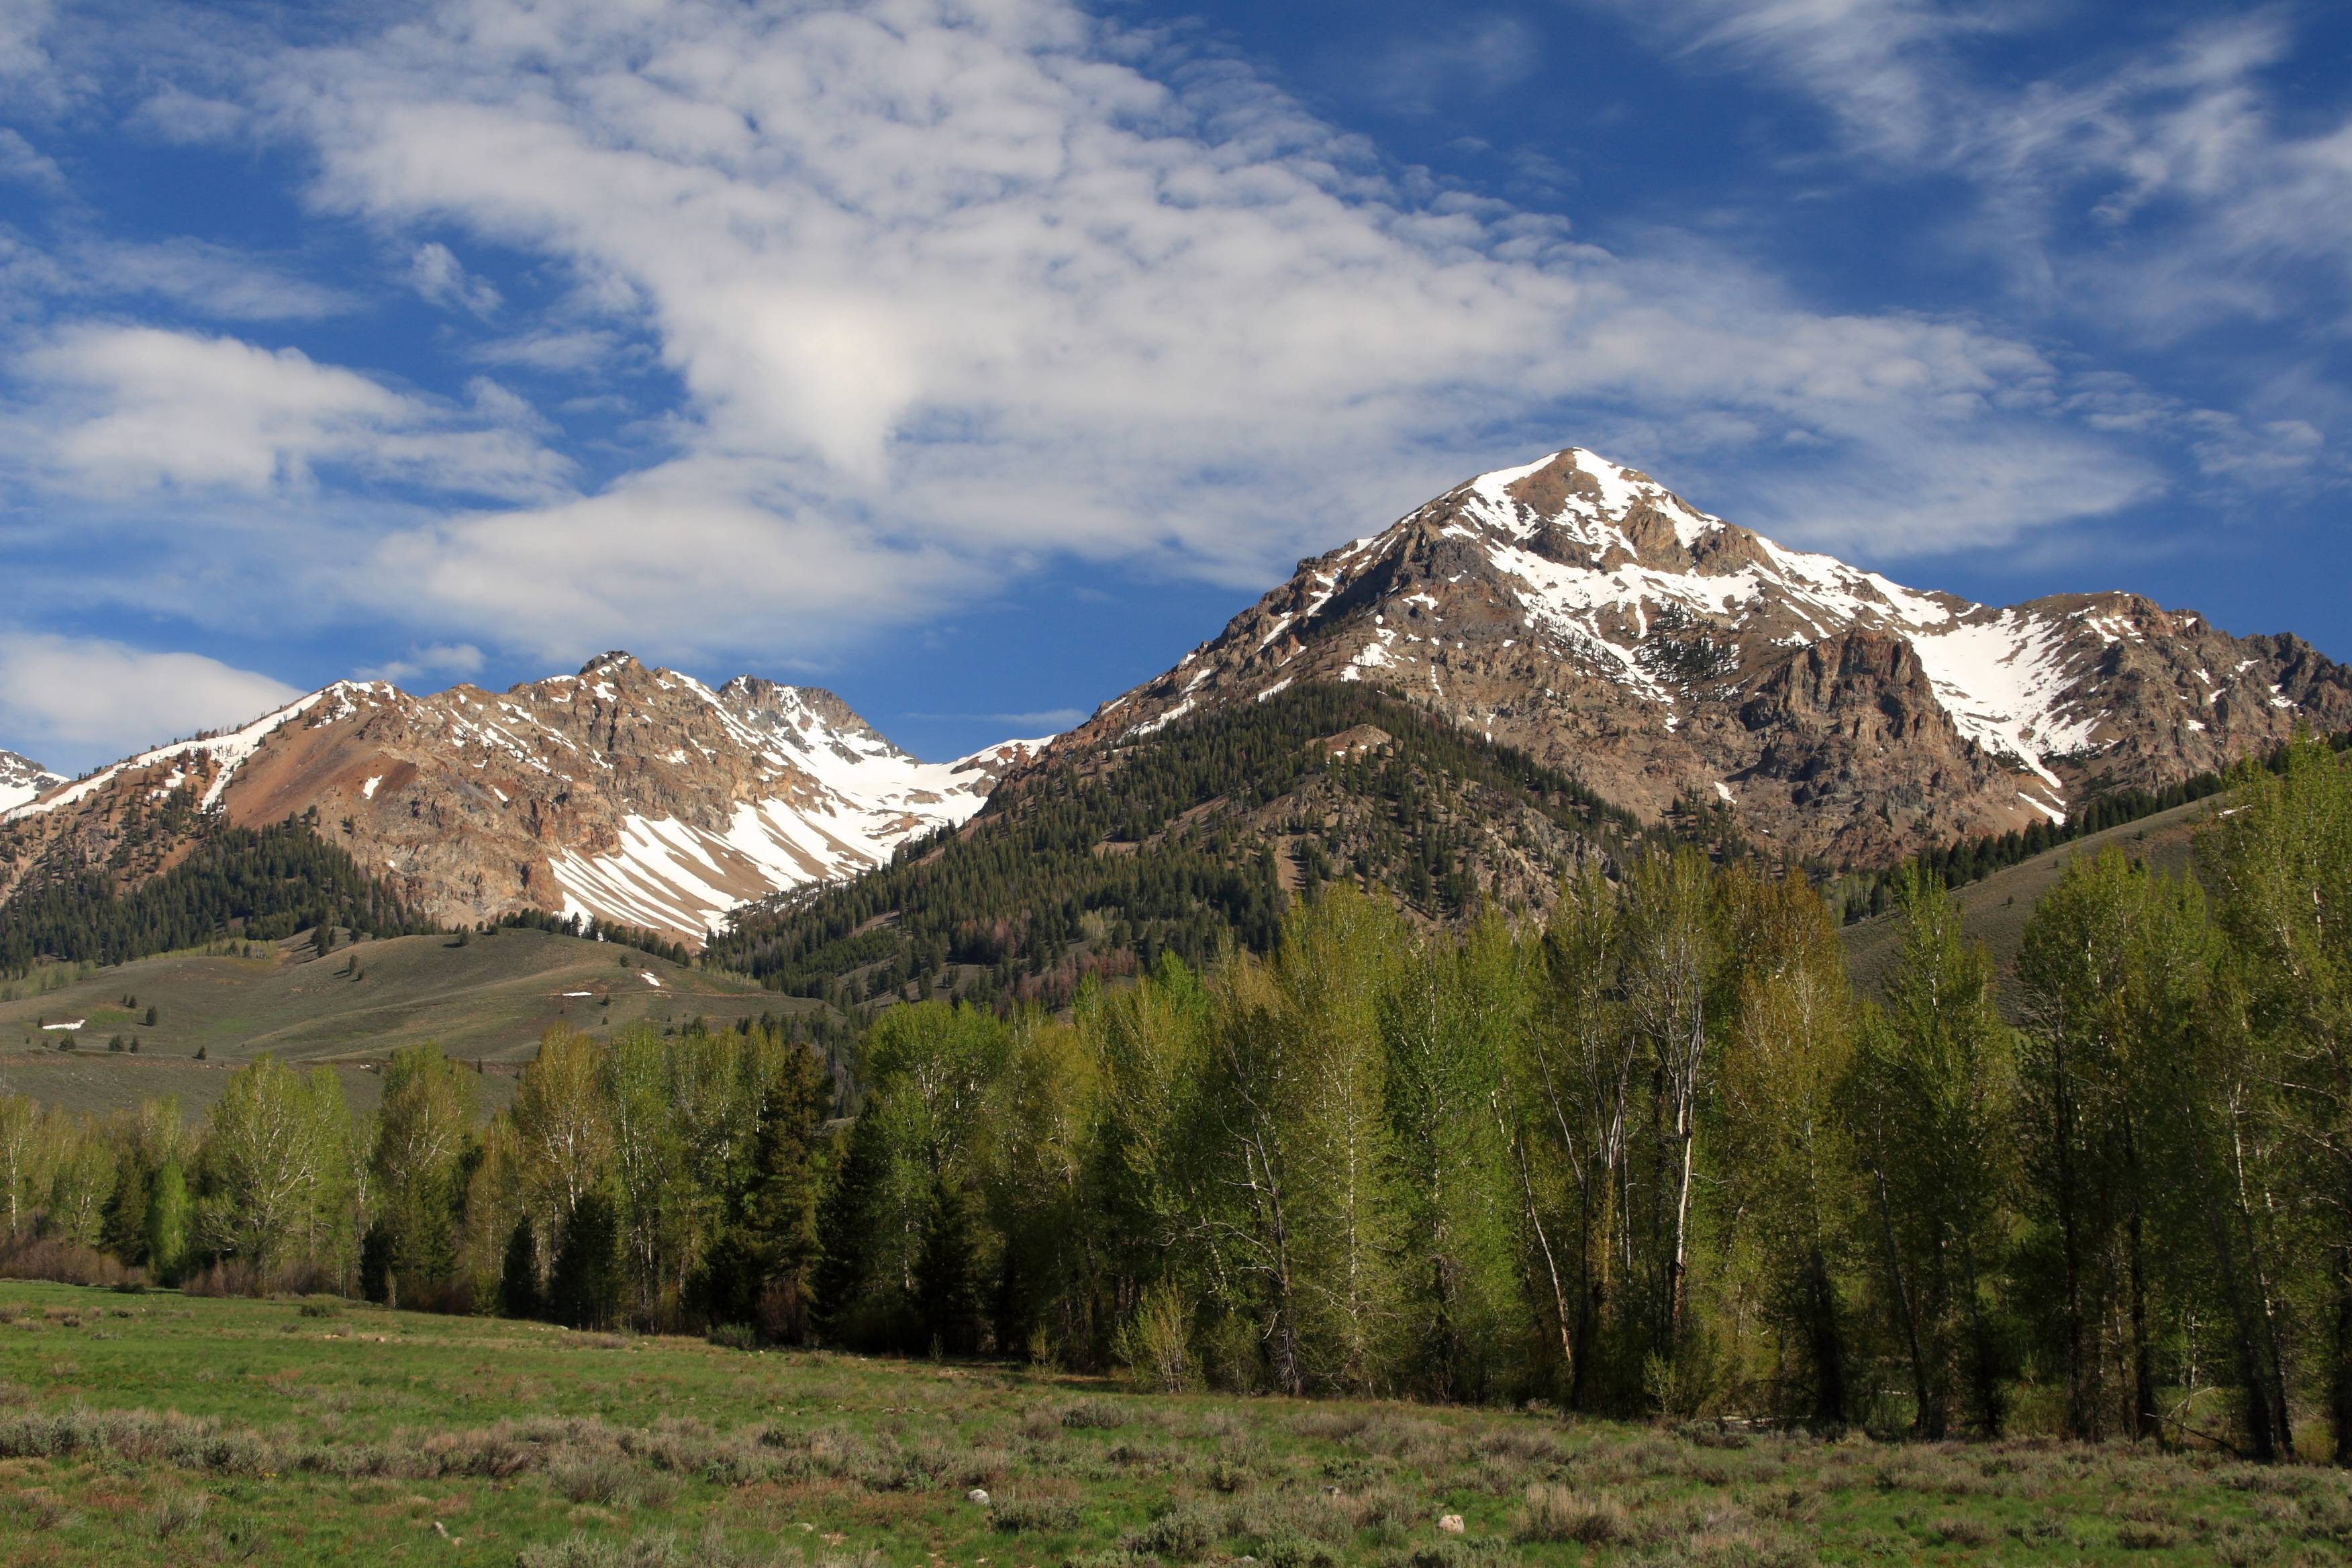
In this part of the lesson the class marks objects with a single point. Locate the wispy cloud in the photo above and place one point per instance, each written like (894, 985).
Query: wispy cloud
(112, 410)
(75, 702)
(436, 274)
(216, 281)
(23, 162)
(2160, 185)
(1416, 72)
(938, 293)
(438, 659)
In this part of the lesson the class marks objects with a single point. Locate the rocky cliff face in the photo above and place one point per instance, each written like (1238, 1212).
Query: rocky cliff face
(631, 793)
(21, 779)
(1583, 613)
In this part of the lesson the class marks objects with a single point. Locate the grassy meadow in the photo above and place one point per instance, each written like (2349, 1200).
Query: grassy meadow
(157, 1428)
(487, 1001)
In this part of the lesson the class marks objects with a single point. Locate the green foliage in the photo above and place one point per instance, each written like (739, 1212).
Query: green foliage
(1145, 842)
(583, 1288)
(277, 1173)
(262, 883)
(1653, 1157)
(171, 1215)
(518, 1273)
(1930, 1107)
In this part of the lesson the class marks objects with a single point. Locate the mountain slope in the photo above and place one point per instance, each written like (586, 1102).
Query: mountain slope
(1581, 612)
(1096, 859)
(628, 793)
(21, 779)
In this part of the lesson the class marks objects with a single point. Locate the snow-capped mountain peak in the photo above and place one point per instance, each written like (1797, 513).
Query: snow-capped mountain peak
(626, 792)
(21, 779)
(1582, 610)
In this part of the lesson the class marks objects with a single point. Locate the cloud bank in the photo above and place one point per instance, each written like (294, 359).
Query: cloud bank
(913, 296)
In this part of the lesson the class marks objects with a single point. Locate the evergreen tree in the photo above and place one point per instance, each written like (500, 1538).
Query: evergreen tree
(518, 1273)
(945, 1283)
(584, 1287)
(758, 1270)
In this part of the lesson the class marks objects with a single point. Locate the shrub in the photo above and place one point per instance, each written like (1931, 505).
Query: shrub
(1298, 1552)
(1156, 1343)
(66, 1262)
(1180, 1535)
(177, 1512)
(1555, 1514)
(609, 1481)
(1034, 1516)
(2137, 1536)
(733, 1336)
(1093, 1414)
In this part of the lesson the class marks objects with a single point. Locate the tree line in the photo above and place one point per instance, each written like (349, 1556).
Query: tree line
(260, 883)
(1166, 843)
(1655, 1156)
(1862, 895)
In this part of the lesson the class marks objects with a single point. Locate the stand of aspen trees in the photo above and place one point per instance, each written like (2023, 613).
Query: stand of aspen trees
(1655, 1157)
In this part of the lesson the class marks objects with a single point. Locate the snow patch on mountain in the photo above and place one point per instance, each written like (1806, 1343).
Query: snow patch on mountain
(1593, 576)
(225, 752)
(669, 875)
(23, 779)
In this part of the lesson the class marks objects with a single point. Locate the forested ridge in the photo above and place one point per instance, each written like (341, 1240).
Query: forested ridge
(260, 883)
(1973, 859)
(1168, 842)
(1653, 1157)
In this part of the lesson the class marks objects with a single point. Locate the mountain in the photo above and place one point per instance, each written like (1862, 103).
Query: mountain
(21, 779)
(1582, 613)
(1093, 860)
(627, 793)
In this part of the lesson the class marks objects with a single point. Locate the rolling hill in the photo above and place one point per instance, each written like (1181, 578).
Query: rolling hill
(487, 1001)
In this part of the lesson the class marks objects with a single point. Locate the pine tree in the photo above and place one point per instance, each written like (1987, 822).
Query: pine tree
(758, 1268)
(583, 1286)
(518, 1273)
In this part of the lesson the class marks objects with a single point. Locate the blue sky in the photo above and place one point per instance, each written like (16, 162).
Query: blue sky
(977, 357)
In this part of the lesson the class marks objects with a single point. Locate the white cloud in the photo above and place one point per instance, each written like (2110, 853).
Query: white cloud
(74, 702)
(115, 410)
(22, 161)
(23, 60)
(949, 288)
(2206, 203)
(460, 659)
(178, 115)
(214, 281)
(436, 274)
(1468, 56)
(567, 350)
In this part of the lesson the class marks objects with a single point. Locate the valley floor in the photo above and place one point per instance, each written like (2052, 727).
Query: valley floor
(154, 1427)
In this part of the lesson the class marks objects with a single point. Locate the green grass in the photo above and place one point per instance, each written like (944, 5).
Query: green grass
(1994, 910)
(488, 1001)
(147, 1428)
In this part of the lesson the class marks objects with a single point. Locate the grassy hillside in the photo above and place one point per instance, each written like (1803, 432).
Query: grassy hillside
(1995, 909)
(489, 1000)
(139, 1429)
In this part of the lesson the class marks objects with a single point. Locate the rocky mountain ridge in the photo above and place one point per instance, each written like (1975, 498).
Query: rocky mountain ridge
(625, 793)
(1581, 612)
(1572, 609)
(21, 779)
